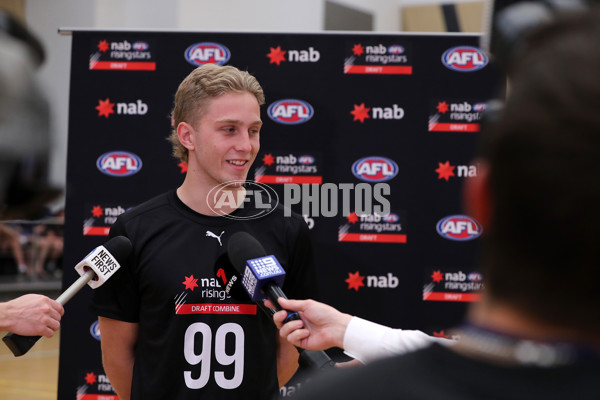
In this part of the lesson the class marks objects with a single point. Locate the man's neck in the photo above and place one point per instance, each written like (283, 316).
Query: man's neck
(209, 199)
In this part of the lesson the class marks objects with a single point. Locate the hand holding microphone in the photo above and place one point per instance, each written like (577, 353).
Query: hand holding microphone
(261, 277)
(320, 328)
(95, 269)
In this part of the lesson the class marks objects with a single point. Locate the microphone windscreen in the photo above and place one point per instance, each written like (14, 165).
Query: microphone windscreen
(120, 247)
(243, 247)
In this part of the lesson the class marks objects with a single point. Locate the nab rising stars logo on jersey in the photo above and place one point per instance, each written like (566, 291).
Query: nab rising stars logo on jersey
(375, 169)
(207, 53)
(464, 59)
(290, 111)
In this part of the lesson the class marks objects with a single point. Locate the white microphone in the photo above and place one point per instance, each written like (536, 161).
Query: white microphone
(95, 269)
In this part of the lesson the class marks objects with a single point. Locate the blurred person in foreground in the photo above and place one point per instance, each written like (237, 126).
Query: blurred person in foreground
(23, 137)
(536, 332)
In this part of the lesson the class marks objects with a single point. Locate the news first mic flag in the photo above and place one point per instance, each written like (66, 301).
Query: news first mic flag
(403, 109)
(95, 269)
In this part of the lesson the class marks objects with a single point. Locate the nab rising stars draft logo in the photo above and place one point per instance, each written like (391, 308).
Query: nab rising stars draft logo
(290, 111)
(464, 59)
(207, 53)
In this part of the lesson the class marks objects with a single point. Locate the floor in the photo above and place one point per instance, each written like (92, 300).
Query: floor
(33, 376)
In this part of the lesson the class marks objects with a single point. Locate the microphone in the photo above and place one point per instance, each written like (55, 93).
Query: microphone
(95, 269)
(262, 277)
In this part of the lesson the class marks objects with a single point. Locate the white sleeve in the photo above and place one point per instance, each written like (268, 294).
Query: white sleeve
(367, 341)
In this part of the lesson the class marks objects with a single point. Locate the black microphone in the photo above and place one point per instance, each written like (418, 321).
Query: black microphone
(262, 277)
(95, 269)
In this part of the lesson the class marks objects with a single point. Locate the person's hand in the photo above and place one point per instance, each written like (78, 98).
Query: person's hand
(320, 327)
(31, 315)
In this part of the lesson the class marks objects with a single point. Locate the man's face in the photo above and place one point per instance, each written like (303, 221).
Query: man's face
(226, 139)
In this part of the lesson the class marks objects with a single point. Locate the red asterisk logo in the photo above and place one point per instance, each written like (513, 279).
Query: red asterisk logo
(445, 171)
(358, 50)
(355, 281)
(442, 107)
(105, 108)
(437, 276)
(268, 159)
(352, 217)
(276, 55)
(103, 45)
(190, 282)
(90, 378)
(184, 166)
(97, 211)
(360, 112)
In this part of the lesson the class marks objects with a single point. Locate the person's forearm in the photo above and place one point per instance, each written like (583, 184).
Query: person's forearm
(120, 373)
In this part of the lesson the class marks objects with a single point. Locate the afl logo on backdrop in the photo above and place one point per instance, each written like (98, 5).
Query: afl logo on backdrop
(95, 330)
(464, 59)
(459, 228)
(207, 53)
(140, 46)
(395, 49)
(391, 218)
(375, 169)
(290, 111)
(306, 160)
(119, 163)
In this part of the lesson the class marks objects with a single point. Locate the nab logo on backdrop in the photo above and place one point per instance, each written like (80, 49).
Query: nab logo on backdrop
(276, 55)
(290, 111)
(105, 108)
(207, 53)
(459, 228)
(361, 112)
(119, 163)
(375, 169)
(464, 59)
(355, 281)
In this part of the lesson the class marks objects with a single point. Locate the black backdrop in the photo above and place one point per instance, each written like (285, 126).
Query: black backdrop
(407, 105)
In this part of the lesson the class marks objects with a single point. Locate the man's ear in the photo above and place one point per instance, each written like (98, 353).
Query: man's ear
(185, 133)
(477, 199)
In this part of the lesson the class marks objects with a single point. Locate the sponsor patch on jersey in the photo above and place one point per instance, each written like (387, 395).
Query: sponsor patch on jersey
(375, 169)
(119, 163)
(290, 111)
(207, 53)
(464, 59)
(459, 228)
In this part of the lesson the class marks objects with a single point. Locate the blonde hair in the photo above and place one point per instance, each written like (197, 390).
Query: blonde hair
(202, 84)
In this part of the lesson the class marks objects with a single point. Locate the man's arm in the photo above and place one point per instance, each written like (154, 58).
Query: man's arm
(287, 360)
(118, 339)
(31, 315)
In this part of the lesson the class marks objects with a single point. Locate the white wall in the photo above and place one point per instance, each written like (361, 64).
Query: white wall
(44, 17)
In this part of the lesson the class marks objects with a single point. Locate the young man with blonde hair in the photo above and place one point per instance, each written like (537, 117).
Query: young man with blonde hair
(169, 328)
